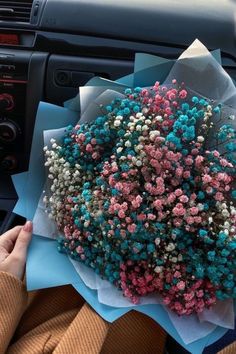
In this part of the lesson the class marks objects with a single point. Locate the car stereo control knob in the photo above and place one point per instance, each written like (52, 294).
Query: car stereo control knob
(8, 163)
(8, 131)
(6, 102)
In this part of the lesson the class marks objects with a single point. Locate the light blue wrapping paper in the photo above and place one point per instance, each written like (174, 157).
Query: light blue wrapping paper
(46, 267)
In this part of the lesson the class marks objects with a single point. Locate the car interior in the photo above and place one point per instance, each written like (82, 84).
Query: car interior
(49, 48)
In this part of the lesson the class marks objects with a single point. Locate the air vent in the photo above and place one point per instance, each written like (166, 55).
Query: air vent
(16, 11)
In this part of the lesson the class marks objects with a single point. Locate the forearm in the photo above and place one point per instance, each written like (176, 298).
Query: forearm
(13, 300)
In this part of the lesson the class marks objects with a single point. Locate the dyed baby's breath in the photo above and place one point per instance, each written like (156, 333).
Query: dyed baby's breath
(145, 196)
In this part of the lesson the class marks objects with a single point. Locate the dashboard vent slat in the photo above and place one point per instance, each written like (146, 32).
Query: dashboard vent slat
(15, 11)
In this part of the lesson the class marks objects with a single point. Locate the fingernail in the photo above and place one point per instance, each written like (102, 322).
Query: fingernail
(28, 227)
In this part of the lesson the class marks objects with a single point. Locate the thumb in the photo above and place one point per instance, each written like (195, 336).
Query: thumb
(22, 242)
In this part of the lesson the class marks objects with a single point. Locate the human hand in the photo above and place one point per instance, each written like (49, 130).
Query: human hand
(13, 249)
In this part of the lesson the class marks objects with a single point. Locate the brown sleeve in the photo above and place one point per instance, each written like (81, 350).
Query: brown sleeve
(231, 349)
(86, 334)
(13, 300)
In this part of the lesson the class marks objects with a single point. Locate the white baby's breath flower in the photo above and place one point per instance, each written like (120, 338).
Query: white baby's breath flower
(128, 143)
(200, 139)
(138, 163)
(170, 247)
(117, 123)
(158, 269)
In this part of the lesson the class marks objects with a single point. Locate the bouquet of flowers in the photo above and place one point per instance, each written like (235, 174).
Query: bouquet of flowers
(143, 199)
(140, 193)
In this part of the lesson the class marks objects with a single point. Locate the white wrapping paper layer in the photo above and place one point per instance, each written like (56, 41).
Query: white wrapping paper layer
(198, 69)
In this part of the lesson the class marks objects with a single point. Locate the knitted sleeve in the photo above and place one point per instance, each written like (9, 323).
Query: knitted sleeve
(13, 300)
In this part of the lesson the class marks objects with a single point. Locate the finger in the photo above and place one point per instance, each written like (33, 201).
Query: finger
(22, 242)
(7, 240)
(11, 234)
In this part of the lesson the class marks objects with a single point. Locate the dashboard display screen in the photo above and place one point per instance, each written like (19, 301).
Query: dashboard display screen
(9, 38)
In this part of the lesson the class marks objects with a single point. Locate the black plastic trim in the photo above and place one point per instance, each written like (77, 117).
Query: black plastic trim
(35, 93)
(82, 67)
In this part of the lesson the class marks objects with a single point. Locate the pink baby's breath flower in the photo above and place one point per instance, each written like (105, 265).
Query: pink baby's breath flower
(184, 199)
(219, 196)
(178, 192)
(159, 181)
(118, 186)
(209, 190)
(151, 216)
(117, 206)
(89, 148)
(195, 152)
(197, 219)
(174, 182)
(223, 177)
(114, 168)
(172, 96)
(177, 222)
(179, 210)
(148, 186)
(81, 137)
(168, 111)
(132, 228)
(181, 285)
(215, 184)
(159, 190)
(166, 300)
(158, 204)
(199, 293)
(121, 214)
(190, 220)
(126, 190)
(224, 162)
(186, 174)
(199, 160)
(95, 155)
(144, 92)
(194, 211)
(79, 249)
(141, 217)
(189, 296)
(193, 197)
(216, 153)
(93, 141)
(156, 85)
(189, 161)
(178, 307)
(139, 199)
(171, 198)
(183, 94)
(124, 206)
(135, 204)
